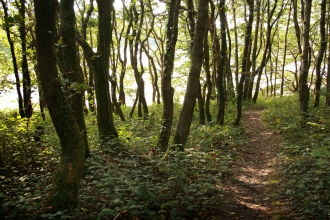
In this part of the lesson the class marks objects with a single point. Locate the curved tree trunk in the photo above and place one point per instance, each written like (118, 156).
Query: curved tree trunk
(284, 51)
(246, 58)
(189, 102)
(14, 60)
(268, 45)
(167, 89)
(208, 78)
(323, 46)
(66, 180)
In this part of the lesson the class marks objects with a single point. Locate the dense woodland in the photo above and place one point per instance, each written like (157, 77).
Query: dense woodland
(140, 104)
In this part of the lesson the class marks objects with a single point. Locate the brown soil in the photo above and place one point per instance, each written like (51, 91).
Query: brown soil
(250, 183)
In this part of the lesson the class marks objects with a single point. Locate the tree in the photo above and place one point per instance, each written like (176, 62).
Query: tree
(189, 102)
(135, 46)
(222, 69)
(245, 62)
(323, 46)
(72, 71)
(8, 23)
(100, 62)
(268, 46)
(167, 89)
(304, 68)
(25, 67)
(66, 181)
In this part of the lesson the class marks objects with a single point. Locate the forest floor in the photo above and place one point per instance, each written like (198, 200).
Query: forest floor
(251, 183)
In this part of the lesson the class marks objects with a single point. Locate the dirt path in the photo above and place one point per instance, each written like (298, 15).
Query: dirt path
(249, 185)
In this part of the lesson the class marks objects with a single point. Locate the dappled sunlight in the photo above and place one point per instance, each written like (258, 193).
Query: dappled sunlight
(248, 184)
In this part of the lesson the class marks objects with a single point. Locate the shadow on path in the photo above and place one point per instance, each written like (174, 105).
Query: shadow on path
(248, 186)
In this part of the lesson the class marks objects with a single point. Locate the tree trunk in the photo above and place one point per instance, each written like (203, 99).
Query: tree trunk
(101, 65)
(323, 46)
(189, 102)
(284, 51)
(296, 24)
(255, 51)
(72, 70)
(14, 60)
(66, 180)
(25, 68)
(268, 46)
(327, 99)
(245, 61)
(303, 84)
(167, 89)
(236, 43)
(208, 78)
(222, 65)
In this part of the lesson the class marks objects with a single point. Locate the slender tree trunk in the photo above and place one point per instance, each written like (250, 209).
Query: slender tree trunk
(323, 46)
(303, 84)
(327, 99)
(268, 46)
(284, 51)
(167, 89)
(189, 102)
(25, 68)
(14, 60)
(66, 180)
(222, 65)
(246, 58)
(296, 24)
(255, 52)
(236, 43)
(208, 78)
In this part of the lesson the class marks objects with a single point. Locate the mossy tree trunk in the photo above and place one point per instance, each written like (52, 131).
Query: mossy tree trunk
(71, 66)
(66, 181)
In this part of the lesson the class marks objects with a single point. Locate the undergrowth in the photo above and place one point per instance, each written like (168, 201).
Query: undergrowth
(125, 179)
(305, 170)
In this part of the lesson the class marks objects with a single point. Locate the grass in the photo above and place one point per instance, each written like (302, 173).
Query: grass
(305, 154)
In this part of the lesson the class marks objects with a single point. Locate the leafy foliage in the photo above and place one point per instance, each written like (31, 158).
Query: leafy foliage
(306, 166)
(127, 178)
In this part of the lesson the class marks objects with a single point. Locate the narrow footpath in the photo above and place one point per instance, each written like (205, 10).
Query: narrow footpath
(251, 182)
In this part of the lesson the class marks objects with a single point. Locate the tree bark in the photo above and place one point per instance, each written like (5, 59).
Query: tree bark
(222, 65)
(208, 78)
(14, 60)
(268, 45)
(66, 180)
(246, 58)
(284, 51)
(323, 46)
(166, 83)
(303, 84)
(25, 68)
(189, 102)
(101, 64)
(72, 70)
